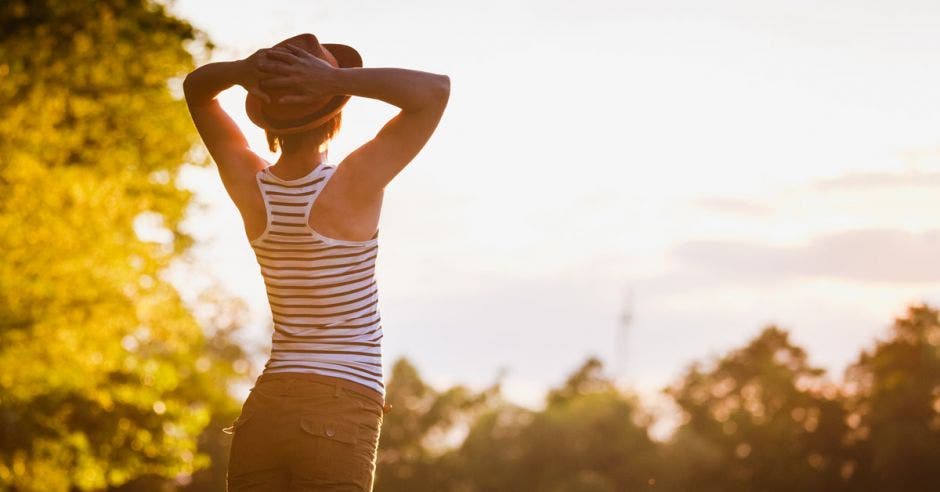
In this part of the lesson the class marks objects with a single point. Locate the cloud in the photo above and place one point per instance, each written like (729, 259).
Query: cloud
(734, 206)
(879, 180)
(866, 255)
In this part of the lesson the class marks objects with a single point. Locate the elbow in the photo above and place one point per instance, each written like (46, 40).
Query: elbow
(431, 96)
(188, 85)
(194, 88)
(441, 90)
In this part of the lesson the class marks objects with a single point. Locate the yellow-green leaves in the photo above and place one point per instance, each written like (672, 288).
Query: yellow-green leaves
(99, 381)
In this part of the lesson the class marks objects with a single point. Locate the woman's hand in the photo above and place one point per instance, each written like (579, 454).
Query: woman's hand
(300, 76)
(250, 73)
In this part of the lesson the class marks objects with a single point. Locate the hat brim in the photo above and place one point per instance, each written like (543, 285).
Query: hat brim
(346, 57)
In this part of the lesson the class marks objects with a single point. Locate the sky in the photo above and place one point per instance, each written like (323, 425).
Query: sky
(708, 167)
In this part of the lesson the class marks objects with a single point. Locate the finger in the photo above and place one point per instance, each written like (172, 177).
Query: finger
(295, 50)
(278, 83)
(276, 67)
(300, 53)
(282, 55)
(261, 94)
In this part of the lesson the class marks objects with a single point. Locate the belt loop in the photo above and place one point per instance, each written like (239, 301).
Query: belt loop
(336, 389)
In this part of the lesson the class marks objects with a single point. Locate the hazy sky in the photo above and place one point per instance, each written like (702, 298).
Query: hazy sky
(730, 163)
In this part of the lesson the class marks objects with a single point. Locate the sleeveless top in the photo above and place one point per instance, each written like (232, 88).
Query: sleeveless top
(322, 291)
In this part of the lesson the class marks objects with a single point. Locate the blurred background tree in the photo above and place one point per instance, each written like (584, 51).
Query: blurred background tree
(105, 375)
(417, 434)
(894, 390)
(589, 437)
(761, 419)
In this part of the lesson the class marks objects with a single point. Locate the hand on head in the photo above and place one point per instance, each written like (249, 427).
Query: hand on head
(298, 84)
(294, 75)
(251, 74)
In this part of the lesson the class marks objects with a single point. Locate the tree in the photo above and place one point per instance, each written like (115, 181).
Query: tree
(895, 400)
(104, 373)
(590, 437)
(413, 446)
(761, 419)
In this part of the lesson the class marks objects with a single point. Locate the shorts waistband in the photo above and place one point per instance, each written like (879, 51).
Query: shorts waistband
(335, 381)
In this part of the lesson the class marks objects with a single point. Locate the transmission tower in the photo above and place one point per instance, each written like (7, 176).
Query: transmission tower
(621, 345)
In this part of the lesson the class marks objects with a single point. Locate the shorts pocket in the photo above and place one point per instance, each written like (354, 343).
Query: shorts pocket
(365, 403)
(330, 448)
(243, 418)
(329, 427)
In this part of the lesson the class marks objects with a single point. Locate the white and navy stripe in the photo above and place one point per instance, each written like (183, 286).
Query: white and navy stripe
(322, 291)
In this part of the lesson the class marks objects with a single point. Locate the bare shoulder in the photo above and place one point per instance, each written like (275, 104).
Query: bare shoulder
(350, 189)
(342, 211)
(241, 181)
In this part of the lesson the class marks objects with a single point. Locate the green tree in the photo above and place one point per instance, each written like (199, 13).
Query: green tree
(413, 446)
(589, 437)
(104, 373)
(761, 419)
(895, 401)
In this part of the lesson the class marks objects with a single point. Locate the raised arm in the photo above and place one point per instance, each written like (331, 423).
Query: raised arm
(422, 97)
(222, 137)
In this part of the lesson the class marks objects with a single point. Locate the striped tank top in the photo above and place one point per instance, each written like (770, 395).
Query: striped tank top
(322, 291)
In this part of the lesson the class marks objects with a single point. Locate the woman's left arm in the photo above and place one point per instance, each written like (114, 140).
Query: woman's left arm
(224, 140)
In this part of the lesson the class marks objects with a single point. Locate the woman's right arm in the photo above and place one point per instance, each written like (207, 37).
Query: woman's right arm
(422, 97)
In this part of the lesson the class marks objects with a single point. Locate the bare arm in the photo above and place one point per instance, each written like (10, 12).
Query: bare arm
(222, 137)
(410, 90)
(422, 97)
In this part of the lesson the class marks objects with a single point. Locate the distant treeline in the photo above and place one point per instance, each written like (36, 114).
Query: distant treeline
(760, 418)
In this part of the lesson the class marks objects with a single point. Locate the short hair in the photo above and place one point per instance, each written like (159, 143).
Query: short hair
(321, 134)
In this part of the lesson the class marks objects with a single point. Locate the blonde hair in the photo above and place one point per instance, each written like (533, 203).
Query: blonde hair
(321, 134)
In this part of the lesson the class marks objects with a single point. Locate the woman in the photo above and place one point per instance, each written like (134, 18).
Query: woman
(313, 417)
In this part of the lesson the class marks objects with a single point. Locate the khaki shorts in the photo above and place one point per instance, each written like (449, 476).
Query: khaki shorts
(294, 433)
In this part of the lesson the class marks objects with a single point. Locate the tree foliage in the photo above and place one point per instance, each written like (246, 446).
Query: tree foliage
(590, 436)
(894, 395)
(761, 419)
(413, 452)
(758, 418)
(104, 373)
